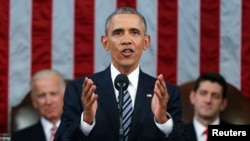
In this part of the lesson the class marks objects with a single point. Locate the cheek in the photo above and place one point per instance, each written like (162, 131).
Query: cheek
(60, 101)
(113, 41)
(192, 98)
(37, 103)
(197, 101)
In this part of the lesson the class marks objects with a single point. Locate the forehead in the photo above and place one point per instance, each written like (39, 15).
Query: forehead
(211, 86)
(132, 20)
(47, 82)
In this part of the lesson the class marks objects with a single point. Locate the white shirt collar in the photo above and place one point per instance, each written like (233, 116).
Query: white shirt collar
(133, 81)
(200, 128)
(47, 126)
(133, 76)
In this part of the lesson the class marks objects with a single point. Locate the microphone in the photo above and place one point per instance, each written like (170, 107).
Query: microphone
(121, 84)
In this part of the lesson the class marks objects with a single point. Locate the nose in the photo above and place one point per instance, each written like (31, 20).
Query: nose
(48, 99)
(126, 39)
(208, 98)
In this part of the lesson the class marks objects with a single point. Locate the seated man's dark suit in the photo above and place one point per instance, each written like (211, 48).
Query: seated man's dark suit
(31, 133)
(190, 131)
(143, 127)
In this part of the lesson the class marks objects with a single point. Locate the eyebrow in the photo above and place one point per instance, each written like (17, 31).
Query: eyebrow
(117, 30)
(135, 29)
(120, 30)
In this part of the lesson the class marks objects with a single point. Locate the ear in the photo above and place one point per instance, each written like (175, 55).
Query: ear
(223, 104)
(33, 102)
(192, 97)
(104, 41)
(147, 40)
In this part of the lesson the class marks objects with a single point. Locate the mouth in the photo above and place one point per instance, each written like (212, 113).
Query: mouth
(127, 52)
(207, 108)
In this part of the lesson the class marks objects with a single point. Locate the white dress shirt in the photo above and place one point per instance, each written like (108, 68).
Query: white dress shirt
(133, 82)
(200, 128)
(47, 126)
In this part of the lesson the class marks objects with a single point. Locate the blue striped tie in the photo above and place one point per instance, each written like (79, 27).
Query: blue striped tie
(126, 113)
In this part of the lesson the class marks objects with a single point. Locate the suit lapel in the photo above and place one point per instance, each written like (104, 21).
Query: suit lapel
(107, 104)
(38, 132)
(142, 105)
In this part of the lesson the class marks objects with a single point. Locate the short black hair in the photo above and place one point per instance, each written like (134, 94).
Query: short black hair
(125, 10)
(213, 77)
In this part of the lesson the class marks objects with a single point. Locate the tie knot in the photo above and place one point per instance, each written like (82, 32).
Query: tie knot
(54, 128)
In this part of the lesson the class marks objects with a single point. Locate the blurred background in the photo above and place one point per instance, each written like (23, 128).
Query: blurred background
(188, 37)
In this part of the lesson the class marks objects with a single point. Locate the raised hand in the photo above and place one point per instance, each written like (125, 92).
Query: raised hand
(89, 100)
(160, 100)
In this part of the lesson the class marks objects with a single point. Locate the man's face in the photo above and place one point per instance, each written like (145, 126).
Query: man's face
(126, 40)
(48, 97)
(208, 100)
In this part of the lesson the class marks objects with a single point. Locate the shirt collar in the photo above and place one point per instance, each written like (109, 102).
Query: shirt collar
(133, 76)
(200, 128)
(47, 125)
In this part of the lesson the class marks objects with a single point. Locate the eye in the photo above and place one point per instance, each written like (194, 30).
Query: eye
(135, 32)
(54, 94)
(40, 96)
(216, 96)
(117, 32)
(202, 93)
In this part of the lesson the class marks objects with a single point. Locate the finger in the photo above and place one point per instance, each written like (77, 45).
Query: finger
(157, 89)
(85, 86)
(93, 99)
(88, 90)
(90, 98)
(161, 85)
(162, 82)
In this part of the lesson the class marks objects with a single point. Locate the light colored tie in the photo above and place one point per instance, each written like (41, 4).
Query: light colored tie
(126, 113)
(53, 132)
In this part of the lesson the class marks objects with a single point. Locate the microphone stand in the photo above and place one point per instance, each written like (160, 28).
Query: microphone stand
(121, 84)
(120, 113)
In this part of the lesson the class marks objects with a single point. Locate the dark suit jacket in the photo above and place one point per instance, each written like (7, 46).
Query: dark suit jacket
(190, 131)
(31, 133)
(142, 128)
